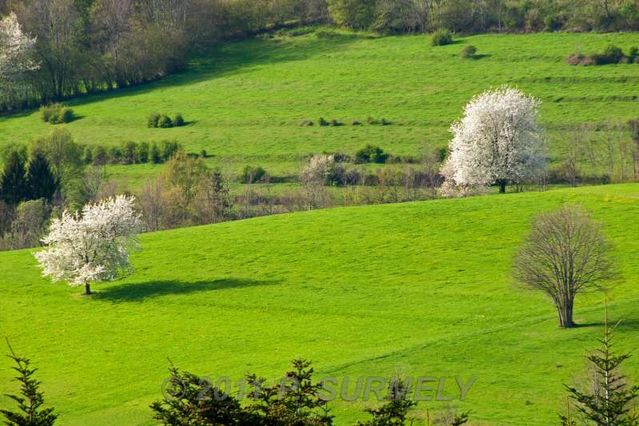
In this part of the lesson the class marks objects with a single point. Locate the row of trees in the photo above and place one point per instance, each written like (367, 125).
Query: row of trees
(401, 16)
(52, 49)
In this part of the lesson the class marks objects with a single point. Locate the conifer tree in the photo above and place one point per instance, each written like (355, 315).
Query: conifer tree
(609, 401)
(41, 182)
(30, 400)
(13, 184)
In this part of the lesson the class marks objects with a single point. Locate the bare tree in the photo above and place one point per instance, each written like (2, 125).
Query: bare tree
(565, 254)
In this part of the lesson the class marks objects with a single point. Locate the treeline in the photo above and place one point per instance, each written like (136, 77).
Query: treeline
(66, 48)
(85, 46)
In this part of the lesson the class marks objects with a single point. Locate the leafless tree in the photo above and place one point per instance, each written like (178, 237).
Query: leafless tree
(565, 254)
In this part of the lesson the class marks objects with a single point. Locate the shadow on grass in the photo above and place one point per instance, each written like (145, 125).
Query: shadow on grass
(138, 292)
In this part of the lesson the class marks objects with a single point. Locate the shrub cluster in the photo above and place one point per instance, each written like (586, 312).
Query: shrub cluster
(611, 55)
(56, 114)
(336, 123)
(441, 37)
(163, 121)
(131, 153)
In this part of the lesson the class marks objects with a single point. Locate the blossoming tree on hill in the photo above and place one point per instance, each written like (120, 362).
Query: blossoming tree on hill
(92, 246)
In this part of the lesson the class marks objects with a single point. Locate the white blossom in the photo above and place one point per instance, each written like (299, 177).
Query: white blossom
(16, 53)
(91, 246)
(498, 140)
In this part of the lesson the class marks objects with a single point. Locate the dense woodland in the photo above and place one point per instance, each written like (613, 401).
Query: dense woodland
(83, 46)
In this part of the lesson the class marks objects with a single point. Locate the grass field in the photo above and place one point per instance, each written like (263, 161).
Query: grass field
(418, 288)
(245, 100)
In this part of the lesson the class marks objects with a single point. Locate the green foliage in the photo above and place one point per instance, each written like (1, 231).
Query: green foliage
(371, 154)
(30, 400)
(153, 120)
(355, 14)
(441, 37)
(179, 120)
(254, 174)
(56, 114)
(165, 122)
(468, 52)
(156, 154)
(13, 182)
(41, 181)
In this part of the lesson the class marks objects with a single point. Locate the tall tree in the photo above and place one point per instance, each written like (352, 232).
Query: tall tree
(13, 184)
(40, 179)
(565, 254)
(16, 57)
(498, 140)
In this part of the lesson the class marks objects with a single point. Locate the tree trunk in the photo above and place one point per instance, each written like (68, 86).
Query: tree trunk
(502, 186)
(565, 314)
(87, 289)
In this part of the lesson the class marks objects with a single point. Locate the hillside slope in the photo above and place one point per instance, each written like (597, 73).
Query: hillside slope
(421, 289)
(245, 100)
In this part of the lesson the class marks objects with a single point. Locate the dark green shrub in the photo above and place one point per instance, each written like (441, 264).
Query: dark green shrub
(169, 149)
(357, 123)
(179, 120)
(101, 156)
(336, 123)
(57, 114)
(441, 37)
(468, 52)
(611, 55)
(153, 120)
(129, 153)
(143, 152)
(88, 155)
(115, 155)
(633, 54)
(385, 122)
(323, 122)
(165, 122)
(254, 174)
(156, 154)
(371, 154)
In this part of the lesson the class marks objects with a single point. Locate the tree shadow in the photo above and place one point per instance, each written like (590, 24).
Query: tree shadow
(139, 292)
(629, 324)
(478, 56)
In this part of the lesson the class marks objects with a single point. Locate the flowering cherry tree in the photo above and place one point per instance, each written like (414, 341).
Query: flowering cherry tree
(16, 53)
(498, 140)
(91, 246)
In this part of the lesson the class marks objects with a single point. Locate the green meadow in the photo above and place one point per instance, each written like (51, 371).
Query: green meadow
(418, 289)
(244, 101)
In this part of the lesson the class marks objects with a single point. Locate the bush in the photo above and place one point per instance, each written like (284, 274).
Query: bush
(468, 52)
(323, 122)
(371, 154)
(254, 174)
(336, 123)
(611, 55)
(153, 120)
(179, 120)
(56, 114)
(165, 122)
(442, 37)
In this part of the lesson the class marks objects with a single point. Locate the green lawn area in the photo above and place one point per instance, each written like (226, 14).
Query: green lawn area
(245, 100)
(422, 289)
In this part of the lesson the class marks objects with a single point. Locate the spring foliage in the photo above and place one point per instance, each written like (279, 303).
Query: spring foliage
(91, 246)
(498, 140)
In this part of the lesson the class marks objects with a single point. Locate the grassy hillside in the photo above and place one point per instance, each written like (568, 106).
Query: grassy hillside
(421, 289)
(245, 100)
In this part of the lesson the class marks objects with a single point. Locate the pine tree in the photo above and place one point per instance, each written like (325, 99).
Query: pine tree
(13, 184)
(609, 401)
(30, 399)
(41, 182)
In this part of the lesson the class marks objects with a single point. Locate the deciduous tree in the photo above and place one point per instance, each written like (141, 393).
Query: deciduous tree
(498, 140)
(91, 246)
